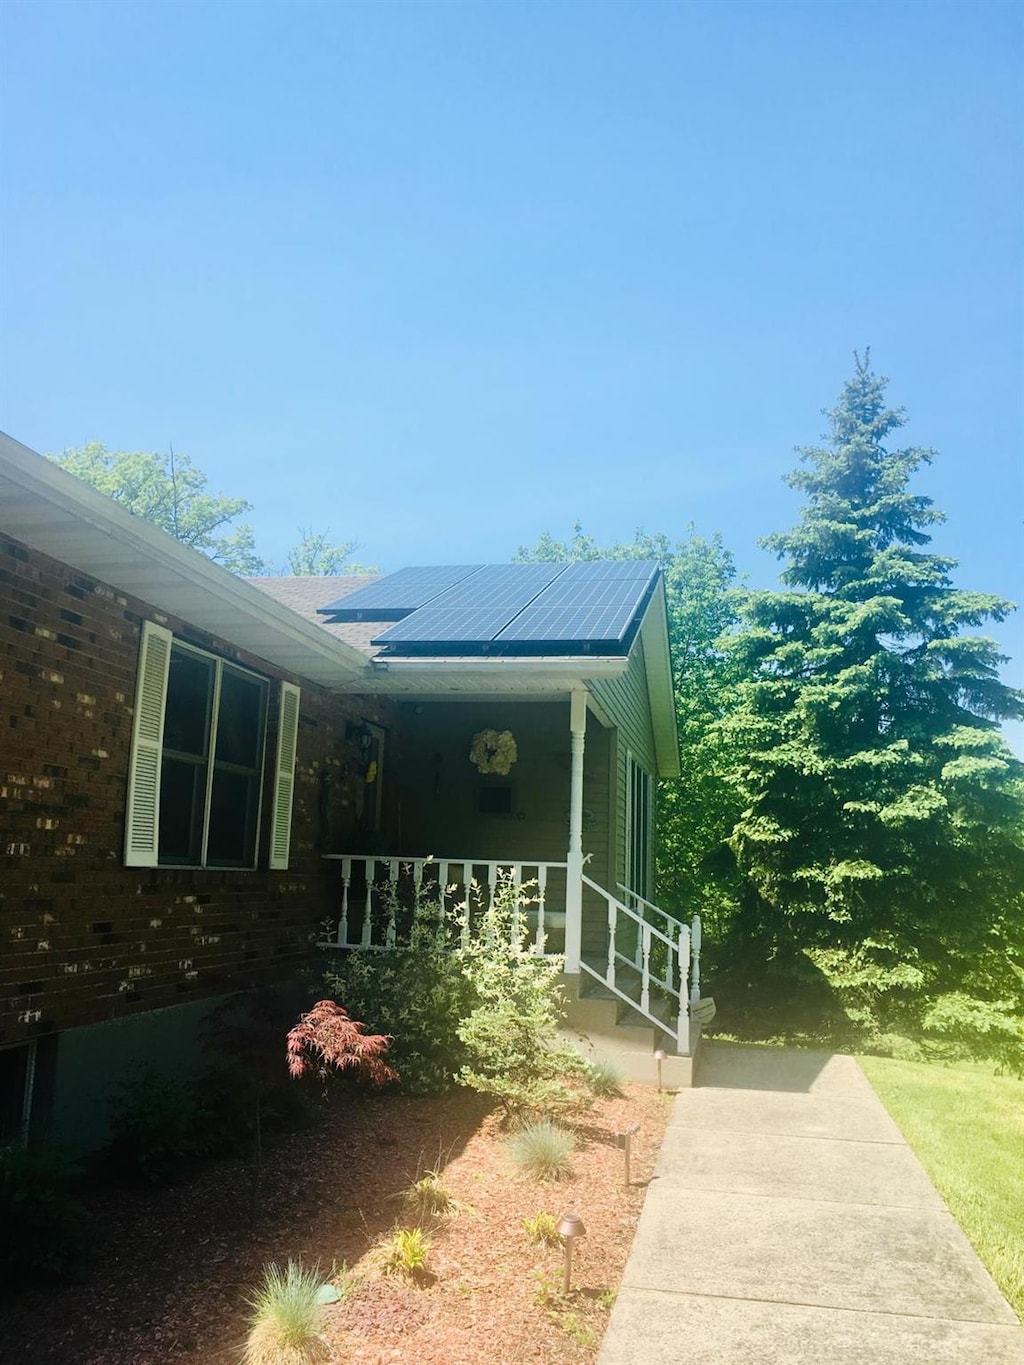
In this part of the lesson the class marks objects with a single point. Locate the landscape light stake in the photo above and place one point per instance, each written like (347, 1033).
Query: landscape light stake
(659, 1057)
(623, 1139)
(570, 1226)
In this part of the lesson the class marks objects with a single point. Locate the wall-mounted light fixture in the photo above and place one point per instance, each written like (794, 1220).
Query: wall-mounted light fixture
(360, 734)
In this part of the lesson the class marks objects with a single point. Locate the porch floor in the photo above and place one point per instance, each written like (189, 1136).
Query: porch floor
(789, 1223)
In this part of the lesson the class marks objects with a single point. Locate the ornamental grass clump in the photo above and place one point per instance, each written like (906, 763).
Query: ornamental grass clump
(404, 1253)
(605, 1078)
(542, 1230)
(542, 1150)
(429, 1198)
(285, 1314)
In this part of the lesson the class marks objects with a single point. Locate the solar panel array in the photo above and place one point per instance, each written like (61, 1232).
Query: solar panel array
(524, 608)
(391, 598)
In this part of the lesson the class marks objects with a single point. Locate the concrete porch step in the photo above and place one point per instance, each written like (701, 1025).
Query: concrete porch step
(603, 1027)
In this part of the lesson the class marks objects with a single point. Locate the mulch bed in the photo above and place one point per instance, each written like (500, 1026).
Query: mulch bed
(172, 1267)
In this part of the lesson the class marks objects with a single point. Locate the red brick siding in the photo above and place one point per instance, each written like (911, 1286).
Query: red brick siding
(82, 937)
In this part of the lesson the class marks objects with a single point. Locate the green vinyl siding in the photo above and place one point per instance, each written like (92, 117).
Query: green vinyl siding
(626, 700)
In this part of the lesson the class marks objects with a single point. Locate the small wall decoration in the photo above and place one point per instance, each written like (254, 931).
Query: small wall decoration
(494, 751)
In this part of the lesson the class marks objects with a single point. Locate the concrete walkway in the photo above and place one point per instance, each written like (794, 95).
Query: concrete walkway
(788, 1223)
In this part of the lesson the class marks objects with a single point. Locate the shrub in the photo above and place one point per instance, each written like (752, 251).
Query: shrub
(542, 1229)
(404, 1252)
(542, 1150)
(45, 1230)
(510, 1034)
(285, 1312)
(417, 993)
(326, 1037)
(155, 1132)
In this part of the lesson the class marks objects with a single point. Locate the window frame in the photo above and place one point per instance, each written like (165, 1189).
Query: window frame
(209, 759)
(142, 815)
(639, 801)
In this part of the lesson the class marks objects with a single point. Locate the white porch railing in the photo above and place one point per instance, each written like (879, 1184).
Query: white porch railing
(371, 899)
(661, 954)
(667, 959)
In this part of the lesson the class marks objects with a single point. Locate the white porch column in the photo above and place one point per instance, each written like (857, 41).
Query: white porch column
(574, 858)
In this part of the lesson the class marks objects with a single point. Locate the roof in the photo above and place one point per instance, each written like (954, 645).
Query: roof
(50, 510)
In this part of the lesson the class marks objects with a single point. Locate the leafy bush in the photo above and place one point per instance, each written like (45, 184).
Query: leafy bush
(542, 1150)
(510, 1034)
(542, 1229)
(45, 1230)
(417, 994)
(156, 1131)
(285, 1311)
(404, 1252)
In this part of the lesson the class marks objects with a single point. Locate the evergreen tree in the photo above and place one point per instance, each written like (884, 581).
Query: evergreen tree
(883, 814)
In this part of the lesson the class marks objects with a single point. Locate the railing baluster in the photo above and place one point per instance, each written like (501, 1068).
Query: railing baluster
(442, 888)
(346, 878)
(369, 866)
(695, 937)
(542, 888)
(393, 870)
(645, 976)
(612, 916)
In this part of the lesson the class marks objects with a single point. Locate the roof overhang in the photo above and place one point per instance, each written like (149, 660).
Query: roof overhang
(50, 510)
(471, 677)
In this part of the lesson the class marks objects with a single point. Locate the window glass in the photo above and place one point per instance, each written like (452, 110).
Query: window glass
(182, 801)
(232, 819)
(240, 719)
(189, 691)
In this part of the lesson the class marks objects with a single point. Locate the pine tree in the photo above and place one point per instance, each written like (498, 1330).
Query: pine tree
(883, 813)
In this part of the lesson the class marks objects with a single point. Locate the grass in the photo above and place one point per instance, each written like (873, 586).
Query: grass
(429, 1198)
(285, 1311)
(605, 1078)
(967, 1128)
(542, 1150)
(404, 1253)
(543, 1230)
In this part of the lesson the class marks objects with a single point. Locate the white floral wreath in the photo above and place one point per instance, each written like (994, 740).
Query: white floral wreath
(494, 751)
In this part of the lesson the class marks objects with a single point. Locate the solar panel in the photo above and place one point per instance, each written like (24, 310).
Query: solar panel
(445, 626)
(612, 568)
(391, 598)
(595, 592)
(576, 624)
(500, 585)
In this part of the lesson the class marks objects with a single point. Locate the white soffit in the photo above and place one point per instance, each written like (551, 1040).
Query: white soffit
(48, 509)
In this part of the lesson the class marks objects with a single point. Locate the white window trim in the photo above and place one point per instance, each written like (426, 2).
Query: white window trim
(632, 768)
(142, 824)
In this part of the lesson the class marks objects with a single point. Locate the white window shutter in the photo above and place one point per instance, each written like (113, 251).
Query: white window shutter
(284, 775)
(142, 824)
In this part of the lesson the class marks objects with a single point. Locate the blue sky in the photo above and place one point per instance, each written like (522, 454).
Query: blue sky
(440, 276)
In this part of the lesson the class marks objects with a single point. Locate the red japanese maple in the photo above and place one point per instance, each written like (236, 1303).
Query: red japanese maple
(327, 1037)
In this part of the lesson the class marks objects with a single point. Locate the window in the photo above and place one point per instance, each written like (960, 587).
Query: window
(638, 828)
(196, 779)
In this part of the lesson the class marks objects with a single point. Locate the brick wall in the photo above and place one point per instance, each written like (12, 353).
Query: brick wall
(82, 937)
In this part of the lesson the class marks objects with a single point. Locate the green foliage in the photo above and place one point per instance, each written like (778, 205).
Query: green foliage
(882, 819)
(315, 556)
(45, 1228)
(697, 810)
(285, 1314)
(170, 492)
(605, 1078)
(155, 1129)
(542, 1229)
(510, 1033)
(418, 994)
(404, 1252)
(542, 1150)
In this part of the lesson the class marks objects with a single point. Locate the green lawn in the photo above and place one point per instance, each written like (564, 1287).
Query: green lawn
(967, 1128)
